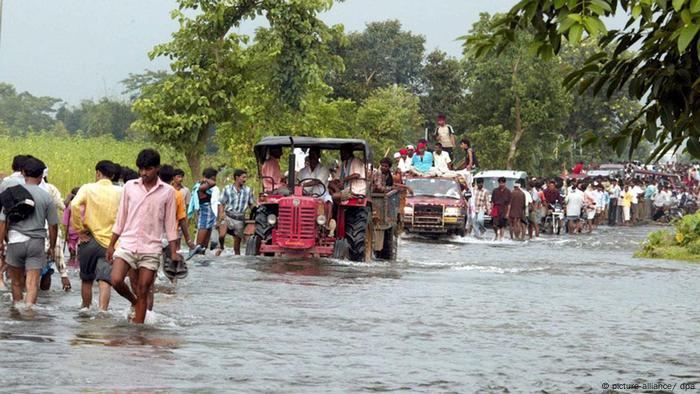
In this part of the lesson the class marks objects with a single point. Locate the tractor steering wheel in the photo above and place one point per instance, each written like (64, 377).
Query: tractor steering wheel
(316, 195)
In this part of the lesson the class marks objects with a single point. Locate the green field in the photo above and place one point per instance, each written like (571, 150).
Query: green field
(71, 160)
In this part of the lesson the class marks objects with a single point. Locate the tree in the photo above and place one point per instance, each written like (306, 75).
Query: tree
(134, 84)
(442, 88)
(99, 118)
(23, 112)
(520, 93)
(663, 73)
(209, 62)
(389, 118)
(380, 56)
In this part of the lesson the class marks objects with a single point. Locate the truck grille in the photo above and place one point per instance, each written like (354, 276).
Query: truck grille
(427, 215)
(296, 223)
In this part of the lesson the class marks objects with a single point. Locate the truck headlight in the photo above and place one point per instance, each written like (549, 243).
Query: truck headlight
(408, 210)
(271, 219)
(453, 211)
(321, 220)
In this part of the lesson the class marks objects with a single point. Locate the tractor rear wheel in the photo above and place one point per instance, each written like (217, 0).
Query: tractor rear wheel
(356, 224)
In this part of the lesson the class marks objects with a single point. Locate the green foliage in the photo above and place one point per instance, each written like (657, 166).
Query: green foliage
(380, 56)
(663, 73)
(388, 119)
(491, 143)
(22, 112)
(210, 64)
(559, 126)
(104, 117)
(443, 89)
(71, 160)
(683, 245)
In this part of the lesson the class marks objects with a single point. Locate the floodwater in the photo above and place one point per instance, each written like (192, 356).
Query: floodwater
(563, 314)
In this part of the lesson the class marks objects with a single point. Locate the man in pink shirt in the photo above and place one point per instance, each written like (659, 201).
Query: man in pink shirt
(270, 171)
(146, 212)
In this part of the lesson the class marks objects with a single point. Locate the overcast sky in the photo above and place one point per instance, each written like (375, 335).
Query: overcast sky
(81, 49)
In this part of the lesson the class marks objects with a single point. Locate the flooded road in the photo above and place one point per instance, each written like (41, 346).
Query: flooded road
(556, 314)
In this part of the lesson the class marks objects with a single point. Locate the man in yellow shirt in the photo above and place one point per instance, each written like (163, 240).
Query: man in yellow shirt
(100, 201)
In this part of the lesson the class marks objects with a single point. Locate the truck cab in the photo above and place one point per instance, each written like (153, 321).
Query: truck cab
(437, 206)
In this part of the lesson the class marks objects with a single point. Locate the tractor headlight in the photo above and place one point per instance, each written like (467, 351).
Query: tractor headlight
(408, 210)
(453, 211)
(271, 219)
(321, 220)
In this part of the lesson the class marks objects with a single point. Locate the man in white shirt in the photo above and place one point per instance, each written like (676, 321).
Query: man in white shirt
(662, 199)
(636, 191)
(442, 161)
(615, 193)
(352, 176)
(574, 204)
(404, 161)
(316, 175)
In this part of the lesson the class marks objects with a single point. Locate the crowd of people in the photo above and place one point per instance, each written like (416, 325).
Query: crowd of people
(128, 224)
(120, 229)
(633, 195)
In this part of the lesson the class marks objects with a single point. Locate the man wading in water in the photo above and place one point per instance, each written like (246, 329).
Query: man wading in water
(146, 212)
(500, 202)
(101, 203)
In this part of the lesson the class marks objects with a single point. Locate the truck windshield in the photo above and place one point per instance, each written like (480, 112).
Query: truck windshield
(432, 187)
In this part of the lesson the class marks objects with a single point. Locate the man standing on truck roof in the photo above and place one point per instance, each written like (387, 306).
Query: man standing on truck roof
(500, 202)
(445, 134)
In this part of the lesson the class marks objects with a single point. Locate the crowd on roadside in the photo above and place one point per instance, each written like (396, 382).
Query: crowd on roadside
(576, 201)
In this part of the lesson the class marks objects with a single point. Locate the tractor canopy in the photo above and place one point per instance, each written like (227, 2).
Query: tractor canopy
(262, 147)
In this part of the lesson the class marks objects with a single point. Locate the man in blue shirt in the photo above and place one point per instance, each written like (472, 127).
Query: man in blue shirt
(422, 163)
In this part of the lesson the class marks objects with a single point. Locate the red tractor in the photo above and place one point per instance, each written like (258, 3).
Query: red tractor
(291, 221)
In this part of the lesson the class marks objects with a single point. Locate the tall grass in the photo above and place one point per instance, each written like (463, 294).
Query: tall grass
(71, 160)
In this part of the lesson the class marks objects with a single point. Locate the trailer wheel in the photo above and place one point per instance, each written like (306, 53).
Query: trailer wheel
(391, 245)
(356, 223)
(252, 246)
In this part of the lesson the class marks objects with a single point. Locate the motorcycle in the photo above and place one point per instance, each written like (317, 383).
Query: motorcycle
(554, 220)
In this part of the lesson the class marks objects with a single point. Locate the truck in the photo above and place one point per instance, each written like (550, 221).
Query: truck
(291, 222)
(490, 178)
(437, 207)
